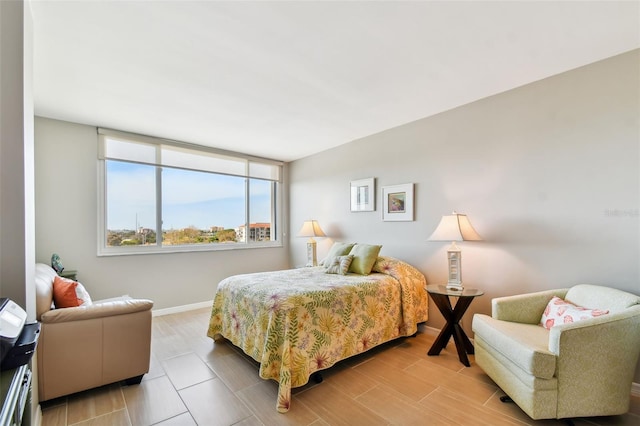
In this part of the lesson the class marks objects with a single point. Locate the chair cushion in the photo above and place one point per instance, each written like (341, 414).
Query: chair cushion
(526, 345)
(44, 288)
(605, 298)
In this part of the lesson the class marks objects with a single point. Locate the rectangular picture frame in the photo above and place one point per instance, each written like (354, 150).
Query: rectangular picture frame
(363, 195)
(398, 203)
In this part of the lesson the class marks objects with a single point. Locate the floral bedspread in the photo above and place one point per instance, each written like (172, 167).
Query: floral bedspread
(299, 321)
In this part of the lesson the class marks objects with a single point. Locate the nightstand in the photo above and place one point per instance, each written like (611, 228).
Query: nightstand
(440, 295)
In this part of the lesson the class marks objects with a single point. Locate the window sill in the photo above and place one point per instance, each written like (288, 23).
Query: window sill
(137, 250)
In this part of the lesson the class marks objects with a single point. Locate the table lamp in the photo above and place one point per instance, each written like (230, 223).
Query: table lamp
(310, 228)
(455, 227)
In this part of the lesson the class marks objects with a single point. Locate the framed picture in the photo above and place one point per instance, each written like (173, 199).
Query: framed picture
(363, 195)
(398, 202)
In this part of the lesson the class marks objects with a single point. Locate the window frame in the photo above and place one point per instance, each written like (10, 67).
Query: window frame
(277, 188)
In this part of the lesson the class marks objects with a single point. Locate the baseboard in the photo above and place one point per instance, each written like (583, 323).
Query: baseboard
(431, 330)
(182, 308)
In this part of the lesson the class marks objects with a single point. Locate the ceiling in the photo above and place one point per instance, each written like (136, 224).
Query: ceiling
(285, 80)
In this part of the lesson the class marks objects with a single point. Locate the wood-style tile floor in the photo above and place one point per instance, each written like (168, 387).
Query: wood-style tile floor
(194, 381)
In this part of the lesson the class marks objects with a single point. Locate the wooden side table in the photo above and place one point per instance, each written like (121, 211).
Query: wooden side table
(441, 297)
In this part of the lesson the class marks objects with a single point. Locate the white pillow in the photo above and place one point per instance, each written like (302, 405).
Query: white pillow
(83, 295)
(339, 265)
(559, 311)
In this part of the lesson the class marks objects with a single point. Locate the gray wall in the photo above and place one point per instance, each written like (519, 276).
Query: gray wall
(548, 173)
(66, 222)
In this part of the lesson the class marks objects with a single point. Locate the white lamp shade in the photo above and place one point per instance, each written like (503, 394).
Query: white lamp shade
(311, 228)
(455, 227)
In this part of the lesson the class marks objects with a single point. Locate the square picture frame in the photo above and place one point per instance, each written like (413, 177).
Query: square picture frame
(398, 203)
(363, 195)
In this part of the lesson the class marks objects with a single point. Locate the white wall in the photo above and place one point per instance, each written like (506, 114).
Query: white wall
(548, 173)
(66, 223)
(17, 197)
(17, 248)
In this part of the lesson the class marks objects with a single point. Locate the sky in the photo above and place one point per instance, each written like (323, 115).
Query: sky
(189, 198)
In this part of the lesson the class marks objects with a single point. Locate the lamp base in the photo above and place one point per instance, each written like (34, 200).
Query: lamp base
(312, 260)
(455, 286)
(454, 257)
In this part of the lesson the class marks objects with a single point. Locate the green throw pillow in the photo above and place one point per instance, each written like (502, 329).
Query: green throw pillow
(364, 257)
(337, 249)
(339, 265)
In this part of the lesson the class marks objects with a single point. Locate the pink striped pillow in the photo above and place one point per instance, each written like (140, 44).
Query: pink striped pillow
(560, 311)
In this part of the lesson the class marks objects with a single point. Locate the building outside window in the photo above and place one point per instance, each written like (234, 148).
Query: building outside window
(257, 232)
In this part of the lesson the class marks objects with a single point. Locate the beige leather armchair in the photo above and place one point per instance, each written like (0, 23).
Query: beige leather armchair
(577, 369)
(89, 346)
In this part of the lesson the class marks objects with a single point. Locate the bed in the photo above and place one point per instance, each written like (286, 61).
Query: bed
(297, 322)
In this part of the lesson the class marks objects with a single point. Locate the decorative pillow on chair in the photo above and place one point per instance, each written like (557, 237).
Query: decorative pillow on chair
(83, 295)
(339, 264)
(337, 249)
(559, 311)
(364, 256)
(69, 294)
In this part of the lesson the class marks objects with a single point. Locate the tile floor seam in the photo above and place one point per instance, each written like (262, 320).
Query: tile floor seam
(360, 395)
(195, 384)
(179, 355)
(199, 383)
(310, 408)
(192, 384)
(96, 417)
(126, 407)
(179, 396)
(499, 413)
(172, 417)
(235, 394)
(430, 393)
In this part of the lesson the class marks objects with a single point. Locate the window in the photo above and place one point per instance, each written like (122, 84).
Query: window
(159, 196)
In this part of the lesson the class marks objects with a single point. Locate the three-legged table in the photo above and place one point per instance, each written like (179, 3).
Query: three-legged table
(441, 297)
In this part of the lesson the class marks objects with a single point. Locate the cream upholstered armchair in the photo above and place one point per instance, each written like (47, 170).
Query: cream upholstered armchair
(91, 345)
(574, 369)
